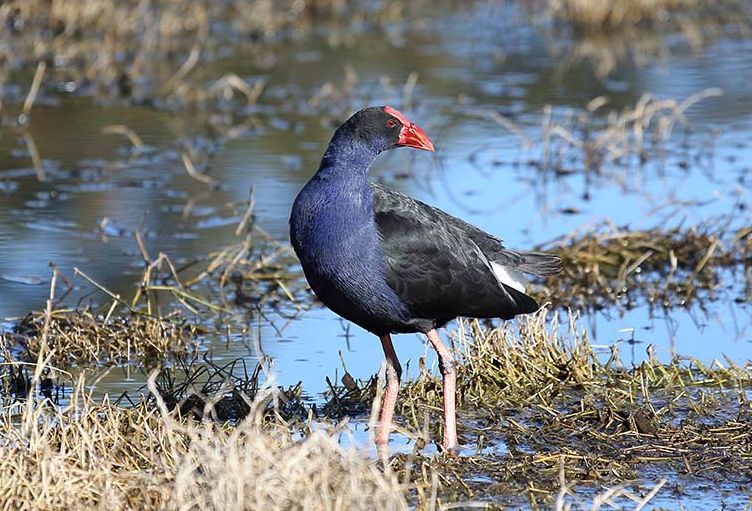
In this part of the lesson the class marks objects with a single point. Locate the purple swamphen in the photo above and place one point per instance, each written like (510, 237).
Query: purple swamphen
(391, 263)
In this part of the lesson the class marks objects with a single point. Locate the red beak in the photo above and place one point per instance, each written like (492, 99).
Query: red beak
(412, 136)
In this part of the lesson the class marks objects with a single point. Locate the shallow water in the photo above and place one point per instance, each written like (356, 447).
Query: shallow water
(80, 206)
(96, 191)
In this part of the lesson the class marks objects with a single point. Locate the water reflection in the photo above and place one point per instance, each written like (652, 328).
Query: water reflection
(97, 191)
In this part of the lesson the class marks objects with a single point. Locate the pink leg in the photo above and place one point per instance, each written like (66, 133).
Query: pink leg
(446, 362)
(393, 374)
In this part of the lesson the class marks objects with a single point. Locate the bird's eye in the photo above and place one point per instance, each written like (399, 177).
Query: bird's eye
(391, 123)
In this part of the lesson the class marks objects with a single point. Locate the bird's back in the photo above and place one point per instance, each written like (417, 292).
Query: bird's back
(443, 267)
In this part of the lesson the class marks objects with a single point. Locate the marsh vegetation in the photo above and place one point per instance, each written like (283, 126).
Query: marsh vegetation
(173, 357)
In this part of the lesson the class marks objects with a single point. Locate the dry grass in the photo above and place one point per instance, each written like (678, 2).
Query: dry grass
(213, 437)
(616, 267)
(586, 15)
(604, 33)
(615, 14)
(89, 455)
(159, 454)
(541, 358)
(150, 51)
(81, 337)
(542, 393)
(598, 138)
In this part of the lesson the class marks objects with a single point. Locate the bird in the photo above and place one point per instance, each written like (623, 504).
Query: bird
(393, 264)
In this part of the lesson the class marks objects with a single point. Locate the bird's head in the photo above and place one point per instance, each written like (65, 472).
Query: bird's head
(383, 127)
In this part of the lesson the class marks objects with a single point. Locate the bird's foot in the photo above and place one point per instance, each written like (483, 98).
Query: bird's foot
(382, 449)
(449, 450)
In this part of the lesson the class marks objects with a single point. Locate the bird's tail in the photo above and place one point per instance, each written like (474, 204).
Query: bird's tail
(524, 304)
(538, 263)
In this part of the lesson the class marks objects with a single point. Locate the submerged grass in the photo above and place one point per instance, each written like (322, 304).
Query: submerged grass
(225, 393)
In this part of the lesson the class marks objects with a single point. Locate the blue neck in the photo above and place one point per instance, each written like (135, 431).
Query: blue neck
(347, 158)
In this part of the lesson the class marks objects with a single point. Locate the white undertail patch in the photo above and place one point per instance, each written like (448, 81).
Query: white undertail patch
(509, 277)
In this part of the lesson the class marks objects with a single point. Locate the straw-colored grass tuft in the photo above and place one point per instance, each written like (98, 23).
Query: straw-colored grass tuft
(616, 13)
(665, 268)
(82, 337)
(621, 14)
(605, 33)
(89, 455)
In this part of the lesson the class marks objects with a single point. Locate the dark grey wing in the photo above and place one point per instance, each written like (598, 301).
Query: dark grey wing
(435, 267)
(535, 263)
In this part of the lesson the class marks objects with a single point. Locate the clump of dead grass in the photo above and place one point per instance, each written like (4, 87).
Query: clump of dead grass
(590, 15)
(606, 33)
(541, 358)
(255, 272)
(617, 267)
(100, 455)
(83, 337)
